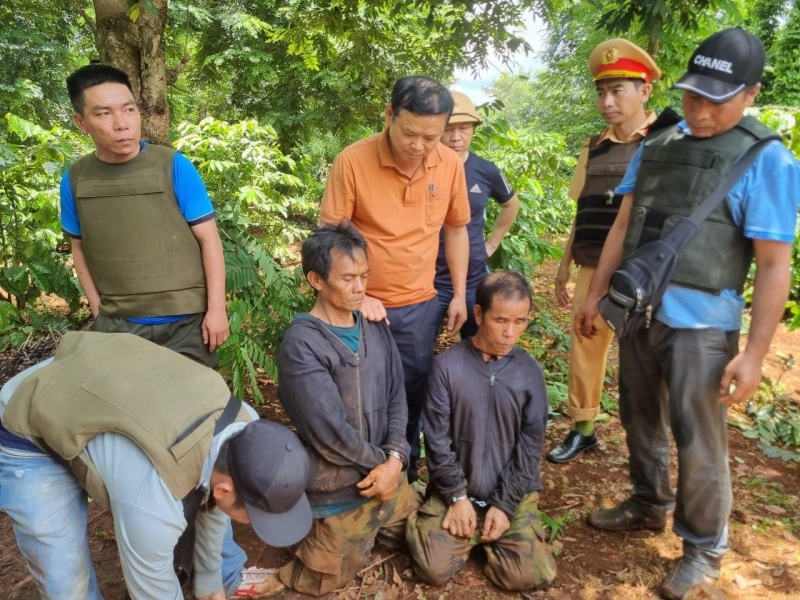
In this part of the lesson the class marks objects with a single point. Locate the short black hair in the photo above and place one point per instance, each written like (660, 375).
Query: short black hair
(317, 250)
(421, 96)
(222, 465)
(90, 76)
(511, 285)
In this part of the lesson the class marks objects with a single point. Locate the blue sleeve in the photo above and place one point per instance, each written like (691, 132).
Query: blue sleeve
(70, 223)
(764, 201)
(193, 200)
(629, 181)
(500, 190)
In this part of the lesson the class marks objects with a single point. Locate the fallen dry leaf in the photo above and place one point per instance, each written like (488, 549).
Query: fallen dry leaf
(766, 579)
(779, 571)
(743, 583)
(775, 510)
(707, 591)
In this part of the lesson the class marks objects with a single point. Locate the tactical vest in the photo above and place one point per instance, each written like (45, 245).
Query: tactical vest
(676, 174)
(118, 382)
(140, 251)
(598, 204)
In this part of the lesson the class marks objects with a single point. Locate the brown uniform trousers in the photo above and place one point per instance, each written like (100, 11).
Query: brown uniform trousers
(338, 547)
(519, 560)
(587, 359)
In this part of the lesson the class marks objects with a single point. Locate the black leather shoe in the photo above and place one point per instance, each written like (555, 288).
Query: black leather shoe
(628, 516)
(572, 447)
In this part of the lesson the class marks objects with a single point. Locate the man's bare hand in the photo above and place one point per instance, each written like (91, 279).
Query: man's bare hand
(382, 481)
(745, 373)
(584, 320)
(460, 519)
(456, 314)
(495, 525)
(562, 277)
(215, 328)
(373, 310)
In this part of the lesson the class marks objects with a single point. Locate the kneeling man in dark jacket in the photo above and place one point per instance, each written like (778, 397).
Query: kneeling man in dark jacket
(484, 424)
(341, 383)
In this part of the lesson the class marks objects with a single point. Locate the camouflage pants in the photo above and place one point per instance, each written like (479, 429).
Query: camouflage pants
(338, 547)
(519, 560)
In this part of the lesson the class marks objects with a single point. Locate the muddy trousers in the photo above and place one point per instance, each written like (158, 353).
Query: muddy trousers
(338, 547)
(587, 359)
(669, 378)
(519, 560)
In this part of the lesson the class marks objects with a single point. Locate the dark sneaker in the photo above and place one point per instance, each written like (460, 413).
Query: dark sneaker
(628, 516)
(572, 447)
(683, 577)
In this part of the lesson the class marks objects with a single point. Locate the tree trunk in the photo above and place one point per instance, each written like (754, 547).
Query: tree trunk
(136, 47)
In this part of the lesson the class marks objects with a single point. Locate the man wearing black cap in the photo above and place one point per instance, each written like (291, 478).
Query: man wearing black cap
(686, 368)
(157, 440)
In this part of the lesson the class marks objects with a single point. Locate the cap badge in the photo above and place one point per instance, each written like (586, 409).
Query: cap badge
(610, 56)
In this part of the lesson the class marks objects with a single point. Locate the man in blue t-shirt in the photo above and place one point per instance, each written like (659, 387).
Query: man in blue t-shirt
(484, 181)
(686, 368)
(169, 286)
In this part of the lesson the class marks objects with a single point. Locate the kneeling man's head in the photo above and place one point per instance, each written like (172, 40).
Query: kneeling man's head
(260, 478)
(502, 306)
(335, 264)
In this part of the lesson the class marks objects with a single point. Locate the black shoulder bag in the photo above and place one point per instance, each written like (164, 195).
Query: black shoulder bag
(638, 285)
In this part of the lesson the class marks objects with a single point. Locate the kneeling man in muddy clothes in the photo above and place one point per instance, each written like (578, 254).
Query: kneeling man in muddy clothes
(341, 383)
(158, 441)
(484, 424)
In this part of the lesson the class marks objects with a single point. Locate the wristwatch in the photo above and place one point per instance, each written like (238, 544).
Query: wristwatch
(455, 499)
(397, 455)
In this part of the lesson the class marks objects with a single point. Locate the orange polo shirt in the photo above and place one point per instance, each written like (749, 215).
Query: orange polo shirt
(400, 217)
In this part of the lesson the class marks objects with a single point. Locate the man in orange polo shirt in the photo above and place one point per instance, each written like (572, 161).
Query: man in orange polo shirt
(399, 188)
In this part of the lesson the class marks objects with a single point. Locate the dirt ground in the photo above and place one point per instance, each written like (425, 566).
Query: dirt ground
(764, 561)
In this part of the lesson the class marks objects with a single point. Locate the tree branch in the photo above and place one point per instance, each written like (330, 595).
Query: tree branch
(85, 15)
(173, 74)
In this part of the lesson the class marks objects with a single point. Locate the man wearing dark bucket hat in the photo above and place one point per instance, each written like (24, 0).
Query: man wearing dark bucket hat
(484, 181)
(686, 368)
(157, 440)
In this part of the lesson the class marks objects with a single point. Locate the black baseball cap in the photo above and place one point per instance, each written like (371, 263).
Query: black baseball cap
(723, 65)
(269, 468)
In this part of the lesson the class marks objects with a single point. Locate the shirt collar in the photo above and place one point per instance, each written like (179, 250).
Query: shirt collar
(211, 459)
(640, 132)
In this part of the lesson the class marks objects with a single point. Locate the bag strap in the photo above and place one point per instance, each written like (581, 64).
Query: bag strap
(741, 165)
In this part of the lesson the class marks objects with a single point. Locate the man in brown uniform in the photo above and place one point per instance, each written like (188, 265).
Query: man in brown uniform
(622, 73)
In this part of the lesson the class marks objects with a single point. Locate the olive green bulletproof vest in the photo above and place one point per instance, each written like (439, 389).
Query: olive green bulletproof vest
(118, 382)
(140, 251)
(598, 205)
(677, 173)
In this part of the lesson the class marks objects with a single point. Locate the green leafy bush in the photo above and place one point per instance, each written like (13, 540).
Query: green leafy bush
(262, 213)
(538, 167)
(33, 258)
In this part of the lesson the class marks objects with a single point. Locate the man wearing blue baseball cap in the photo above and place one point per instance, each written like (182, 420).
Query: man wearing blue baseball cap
(157, 440)
(686, 368)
